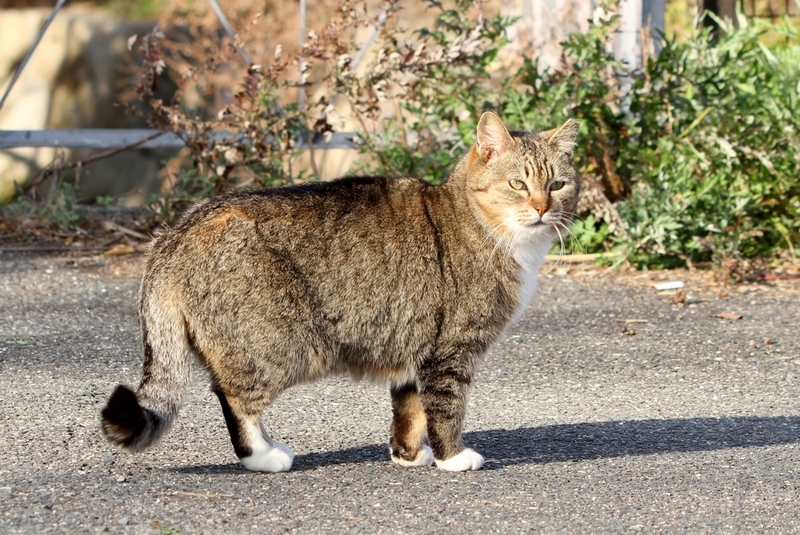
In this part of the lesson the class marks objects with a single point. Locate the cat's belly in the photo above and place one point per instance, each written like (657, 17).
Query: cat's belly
(379, 362)
(394, 374)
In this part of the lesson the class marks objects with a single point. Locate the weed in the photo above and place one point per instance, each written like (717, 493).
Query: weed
(164, 529)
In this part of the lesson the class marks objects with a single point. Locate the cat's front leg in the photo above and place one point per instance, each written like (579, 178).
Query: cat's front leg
(443, 388)
(408, 428)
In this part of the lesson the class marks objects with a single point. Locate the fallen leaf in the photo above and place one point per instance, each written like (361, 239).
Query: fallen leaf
(120, 249)
(679, 298)
(728, 315)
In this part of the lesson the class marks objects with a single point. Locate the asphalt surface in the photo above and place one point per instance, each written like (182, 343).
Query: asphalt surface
(691, 425)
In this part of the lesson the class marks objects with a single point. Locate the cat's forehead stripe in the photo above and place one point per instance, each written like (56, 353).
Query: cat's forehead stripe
(537, 161)
(536, 166)
(528, 169)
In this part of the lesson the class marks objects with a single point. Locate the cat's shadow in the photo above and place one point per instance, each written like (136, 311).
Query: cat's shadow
(583, 441)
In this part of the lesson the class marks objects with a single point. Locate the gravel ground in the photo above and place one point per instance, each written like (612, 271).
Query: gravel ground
(690, 425)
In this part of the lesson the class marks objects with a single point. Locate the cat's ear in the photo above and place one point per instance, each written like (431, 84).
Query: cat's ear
(493, 137)
(564, 137)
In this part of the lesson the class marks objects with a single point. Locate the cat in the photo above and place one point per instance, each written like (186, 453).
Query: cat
(387, 278)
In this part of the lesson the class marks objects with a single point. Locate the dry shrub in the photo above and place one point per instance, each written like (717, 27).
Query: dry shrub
(243, 122)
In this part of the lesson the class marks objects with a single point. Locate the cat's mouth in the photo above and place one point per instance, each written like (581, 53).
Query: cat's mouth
(535, 224)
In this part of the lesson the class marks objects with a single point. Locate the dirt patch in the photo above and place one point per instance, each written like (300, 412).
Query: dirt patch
(781, 278)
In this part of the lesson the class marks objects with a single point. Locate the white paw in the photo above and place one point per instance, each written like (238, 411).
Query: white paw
(423, 458)
(466, 460)
(276, 459)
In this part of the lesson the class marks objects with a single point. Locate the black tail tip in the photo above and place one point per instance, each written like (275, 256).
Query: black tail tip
(123, 419)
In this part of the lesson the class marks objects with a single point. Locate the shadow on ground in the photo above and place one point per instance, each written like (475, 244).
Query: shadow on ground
(578, 442)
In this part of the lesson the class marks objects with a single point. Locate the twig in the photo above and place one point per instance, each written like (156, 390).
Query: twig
(361, 52)
(56, 178)
(108, 243)
(314, 168)
(579, 258)
(110, 225)
(102, 156)
(301, 89)
(398, 110)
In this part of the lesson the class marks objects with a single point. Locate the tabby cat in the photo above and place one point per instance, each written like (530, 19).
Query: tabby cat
(390, 279)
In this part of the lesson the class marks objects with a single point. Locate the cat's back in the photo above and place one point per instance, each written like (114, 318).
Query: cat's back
(353, 216)
(310, 202)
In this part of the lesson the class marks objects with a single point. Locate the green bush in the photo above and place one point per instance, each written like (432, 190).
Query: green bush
(716, 151)
(698, 154)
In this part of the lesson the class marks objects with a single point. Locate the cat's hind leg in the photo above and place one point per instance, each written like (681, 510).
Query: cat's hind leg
(255, 448)
(408, 428)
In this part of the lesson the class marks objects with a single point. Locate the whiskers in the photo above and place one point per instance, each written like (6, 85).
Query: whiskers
(505, 241)
(514, 235)
(559, 223)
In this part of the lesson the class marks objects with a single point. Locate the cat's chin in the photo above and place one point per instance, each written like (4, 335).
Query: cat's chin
(535, 224)
(537, 232)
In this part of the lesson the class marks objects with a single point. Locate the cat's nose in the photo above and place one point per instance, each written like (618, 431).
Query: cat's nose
(539, 203)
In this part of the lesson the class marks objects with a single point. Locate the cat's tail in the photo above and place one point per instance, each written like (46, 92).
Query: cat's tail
(135, 420)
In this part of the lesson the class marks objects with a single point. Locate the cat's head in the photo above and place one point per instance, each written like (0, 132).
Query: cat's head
(523, 185)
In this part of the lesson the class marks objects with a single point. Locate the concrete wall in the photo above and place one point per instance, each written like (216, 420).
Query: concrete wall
(71, 81)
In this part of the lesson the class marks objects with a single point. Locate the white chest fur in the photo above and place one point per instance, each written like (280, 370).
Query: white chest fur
(530, 257)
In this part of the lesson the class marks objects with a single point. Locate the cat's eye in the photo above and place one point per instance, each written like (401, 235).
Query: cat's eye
(517, 184)
(557, 185)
